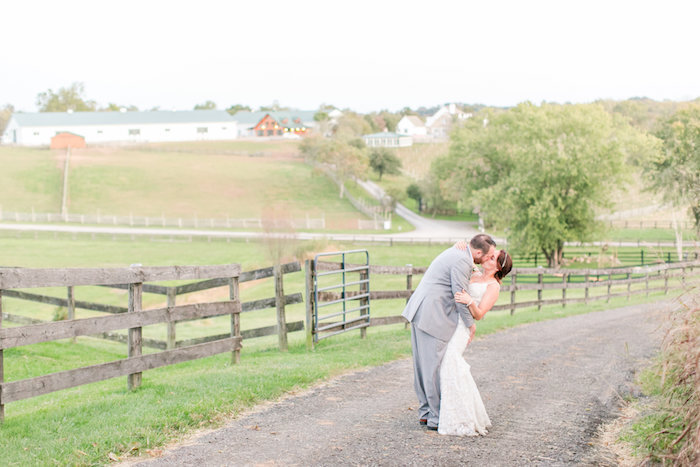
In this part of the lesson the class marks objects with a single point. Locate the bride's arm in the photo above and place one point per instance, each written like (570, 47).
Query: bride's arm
(479, 310)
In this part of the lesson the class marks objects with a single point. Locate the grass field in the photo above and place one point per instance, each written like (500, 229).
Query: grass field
(150, 181)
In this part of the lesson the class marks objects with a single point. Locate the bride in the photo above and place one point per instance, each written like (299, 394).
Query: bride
(462, 411)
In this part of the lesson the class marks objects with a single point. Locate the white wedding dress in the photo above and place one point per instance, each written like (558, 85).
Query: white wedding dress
(462, 412)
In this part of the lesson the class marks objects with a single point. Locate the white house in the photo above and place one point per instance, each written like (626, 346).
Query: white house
(412, 125)
(440, 123)
(37, 129)
(387, 139)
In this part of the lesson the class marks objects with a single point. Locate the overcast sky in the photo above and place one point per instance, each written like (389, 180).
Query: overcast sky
(364, 55)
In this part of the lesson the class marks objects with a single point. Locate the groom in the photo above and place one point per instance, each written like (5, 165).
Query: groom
(433, 315)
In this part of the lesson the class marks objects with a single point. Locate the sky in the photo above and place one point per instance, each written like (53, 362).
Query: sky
(363, 55)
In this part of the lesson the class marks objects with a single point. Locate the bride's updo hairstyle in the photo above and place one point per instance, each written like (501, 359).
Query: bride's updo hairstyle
(504, 263)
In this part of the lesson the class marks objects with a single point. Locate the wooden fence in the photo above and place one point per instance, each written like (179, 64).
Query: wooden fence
(279, 301)
(612, 282)
(133, 320)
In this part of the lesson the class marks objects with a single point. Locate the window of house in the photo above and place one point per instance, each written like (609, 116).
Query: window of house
(202, 129)
(261, 133)
(270, 132)
(99, 132)
(167, 129)
(36, 133)
(134, 131)
(279, 132)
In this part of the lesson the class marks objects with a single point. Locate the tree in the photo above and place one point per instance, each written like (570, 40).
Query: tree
(675, 171)
(539, 172)
(320, 116)
(112, 107)
(341, 159)
(383, 161)
(5, 114)
(70, 98)
(351, 125)
(235, 108)
(414, 192)
(208, 105)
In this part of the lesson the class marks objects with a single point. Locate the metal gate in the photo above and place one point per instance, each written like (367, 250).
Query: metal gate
(340, 293)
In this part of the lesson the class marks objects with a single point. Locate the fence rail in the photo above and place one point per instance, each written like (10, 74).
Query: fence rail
(162, 221)
(133, 320)
(171, 292)
(647, 224)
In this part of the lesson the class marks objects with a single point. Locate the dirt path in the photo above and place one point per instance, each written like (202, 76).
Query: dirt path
(547, 387)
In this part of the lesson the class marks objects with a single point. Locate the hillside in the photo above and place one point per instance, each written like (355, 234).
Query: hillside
(204, 180)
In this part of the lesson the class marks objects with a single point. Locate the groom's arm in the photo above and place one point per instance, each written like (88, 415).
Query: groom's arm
(459, 278)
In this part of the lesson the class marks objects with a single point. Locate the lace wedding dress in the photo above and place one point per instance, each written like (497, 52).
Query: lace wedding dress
(462, 411)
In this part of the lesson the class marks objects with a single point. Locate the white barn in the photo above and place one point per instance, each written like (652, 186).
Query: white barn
(37, 129)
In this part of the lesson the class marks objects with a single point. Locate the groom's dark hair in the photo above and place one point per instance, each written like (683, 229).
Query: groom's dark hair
(482, 242)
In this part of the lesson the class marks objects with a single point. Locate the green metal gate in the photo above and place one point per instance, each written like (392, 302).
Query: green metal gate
(339, 282)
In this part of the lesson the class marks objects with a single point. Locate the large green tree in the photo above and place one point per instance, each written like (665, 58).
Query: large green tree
(383, 161)
(539, 172)
(68, 98)
(675, 171)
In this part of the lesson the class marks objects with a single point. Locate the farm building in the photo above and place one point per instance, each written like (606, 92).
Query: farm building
(37, 129)
(275, 123)
(65, 140)
(387, 139)
(412, 126)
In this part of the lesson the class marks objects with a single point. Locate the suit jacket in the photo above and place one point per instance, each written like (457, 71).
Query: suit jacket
(432, 307)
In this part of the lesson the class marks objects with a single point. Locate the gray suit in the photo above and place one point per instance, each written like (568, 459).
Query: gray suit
(433, 314)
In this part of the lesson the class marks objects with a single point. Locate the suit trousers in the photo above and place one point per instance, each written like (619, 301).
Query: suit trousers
(427, 356)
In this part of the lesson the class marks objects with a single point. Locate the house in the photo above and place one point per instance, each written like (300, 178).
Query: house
(37, 129)
(440, 123)
(387, 139)
(275, 123)
(412, 125)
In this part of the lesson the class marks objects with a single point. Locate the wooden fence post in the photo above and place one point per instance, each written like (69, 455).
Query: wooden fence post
(364, 288)
(513, 280)
(565, 276)
(629, 285)
(409, 285)
(135, 334)
(71, 306)
(607, 300)
(279, 305)
(683, 277)
(666, 281)
(540, 285)
(234, 294)
(646, 283)
(585, 296)
(172, 332)
(2, 369)
(308, 271)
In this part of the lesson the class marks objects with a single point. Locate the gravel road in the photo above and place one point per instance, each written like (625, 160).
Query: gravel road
(547, 388)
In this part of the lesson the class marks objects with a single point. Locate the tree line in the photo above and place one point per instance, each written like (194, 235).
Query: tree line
(542, 172)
